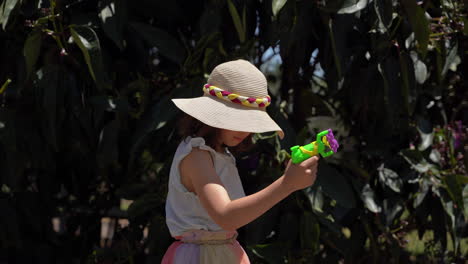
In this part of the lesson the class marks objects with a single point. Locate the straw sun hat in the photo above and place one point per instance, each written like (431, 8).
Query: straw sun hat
(235, 98)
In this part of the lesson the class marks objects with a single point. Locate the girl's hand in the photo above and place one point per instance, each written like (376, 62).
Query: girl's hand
(302, 175)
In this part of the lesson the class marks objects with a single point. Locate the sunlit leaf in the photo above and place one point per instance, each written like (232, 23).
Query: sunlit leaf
(390, 178)
(420, 69)
(417, 161)
(452, 59)
(422, 192)
(352, 6)
(368, 196)
(5, 10)
(426, 140)
(237, 21)
(276, 6)
(4, 86)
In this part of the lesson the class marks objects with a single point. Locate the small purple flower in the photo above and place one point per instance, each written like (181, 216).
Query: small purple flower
(457, 134)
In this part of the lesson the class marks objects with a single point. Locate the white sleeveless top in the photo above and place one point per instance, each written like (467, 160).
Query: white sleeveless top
(184, 211)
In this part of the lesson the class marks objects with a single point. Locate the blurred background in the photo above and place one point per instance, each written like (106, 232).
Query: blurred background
(88, 131)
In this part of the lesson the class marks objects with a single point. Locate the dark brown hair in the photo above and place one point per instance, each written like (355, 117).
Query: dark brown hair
(192, 127)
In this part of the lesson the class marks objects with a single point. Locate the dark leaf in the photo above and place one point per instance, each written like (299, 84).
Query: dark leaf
(156, 118)
(113, 18)
(104, 103)
(132, 191)
(48, 83)
(419, 23)
(166, 44)
(10, 235)
(108, 148)
(465, 22)
(88, 41)
(335, 185)
(392, 207)
(145, 205)
(454, 187)
(272, 253)
(310, 232)
(31, 50)
(384, 11)
(289, 228)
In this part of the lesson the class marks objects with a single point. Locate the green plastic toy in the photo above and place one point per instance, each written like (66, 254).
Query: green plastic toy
(325, 140)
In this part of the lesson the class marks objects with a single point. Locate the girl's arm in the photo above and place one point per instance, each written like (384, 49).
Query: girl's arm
(229, 214)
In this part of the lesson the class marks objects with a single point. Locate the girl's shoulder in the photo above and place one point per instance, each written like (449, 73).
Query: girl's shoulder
(188, 144)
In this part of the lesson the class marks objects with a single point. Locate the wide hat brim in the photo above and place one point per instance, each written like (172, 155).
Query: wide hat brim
(228, 115)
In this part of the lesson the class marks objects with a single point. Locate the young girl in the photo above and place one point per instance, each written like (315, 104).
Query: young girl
(206, 202)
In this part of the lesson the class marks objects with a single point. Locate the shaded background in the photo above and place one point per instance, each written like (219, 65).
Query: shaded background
(87, 129)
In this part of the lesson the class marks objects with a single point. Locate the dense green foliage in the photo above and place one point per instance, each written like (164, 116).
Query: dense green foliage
(86, 120)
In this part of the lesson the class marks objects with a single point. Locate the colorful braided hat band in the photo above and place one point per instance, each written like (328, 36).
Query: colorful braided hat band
(235, 98)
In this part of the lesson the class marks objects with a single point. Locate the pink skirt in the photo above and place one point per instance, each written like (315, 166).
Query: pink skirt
(206, 247)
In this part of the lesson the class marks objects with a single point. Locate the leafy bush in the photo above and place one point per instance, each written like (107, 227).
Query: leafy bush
(86, 125)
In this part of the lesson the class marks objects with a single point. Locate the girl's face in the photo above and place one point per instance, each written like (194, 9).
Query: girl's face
(232, 138)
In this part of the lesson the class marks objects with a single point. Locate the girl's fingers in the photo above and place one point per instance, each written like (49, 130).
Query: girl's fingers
(310, 162)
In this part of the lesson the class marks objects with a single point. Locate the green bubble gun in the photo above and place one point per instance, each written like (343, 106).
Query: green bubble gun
(325, 141)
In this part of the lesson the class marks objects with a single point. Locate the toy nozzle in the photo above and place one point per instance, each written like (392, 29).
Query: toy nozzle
(332, 142)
